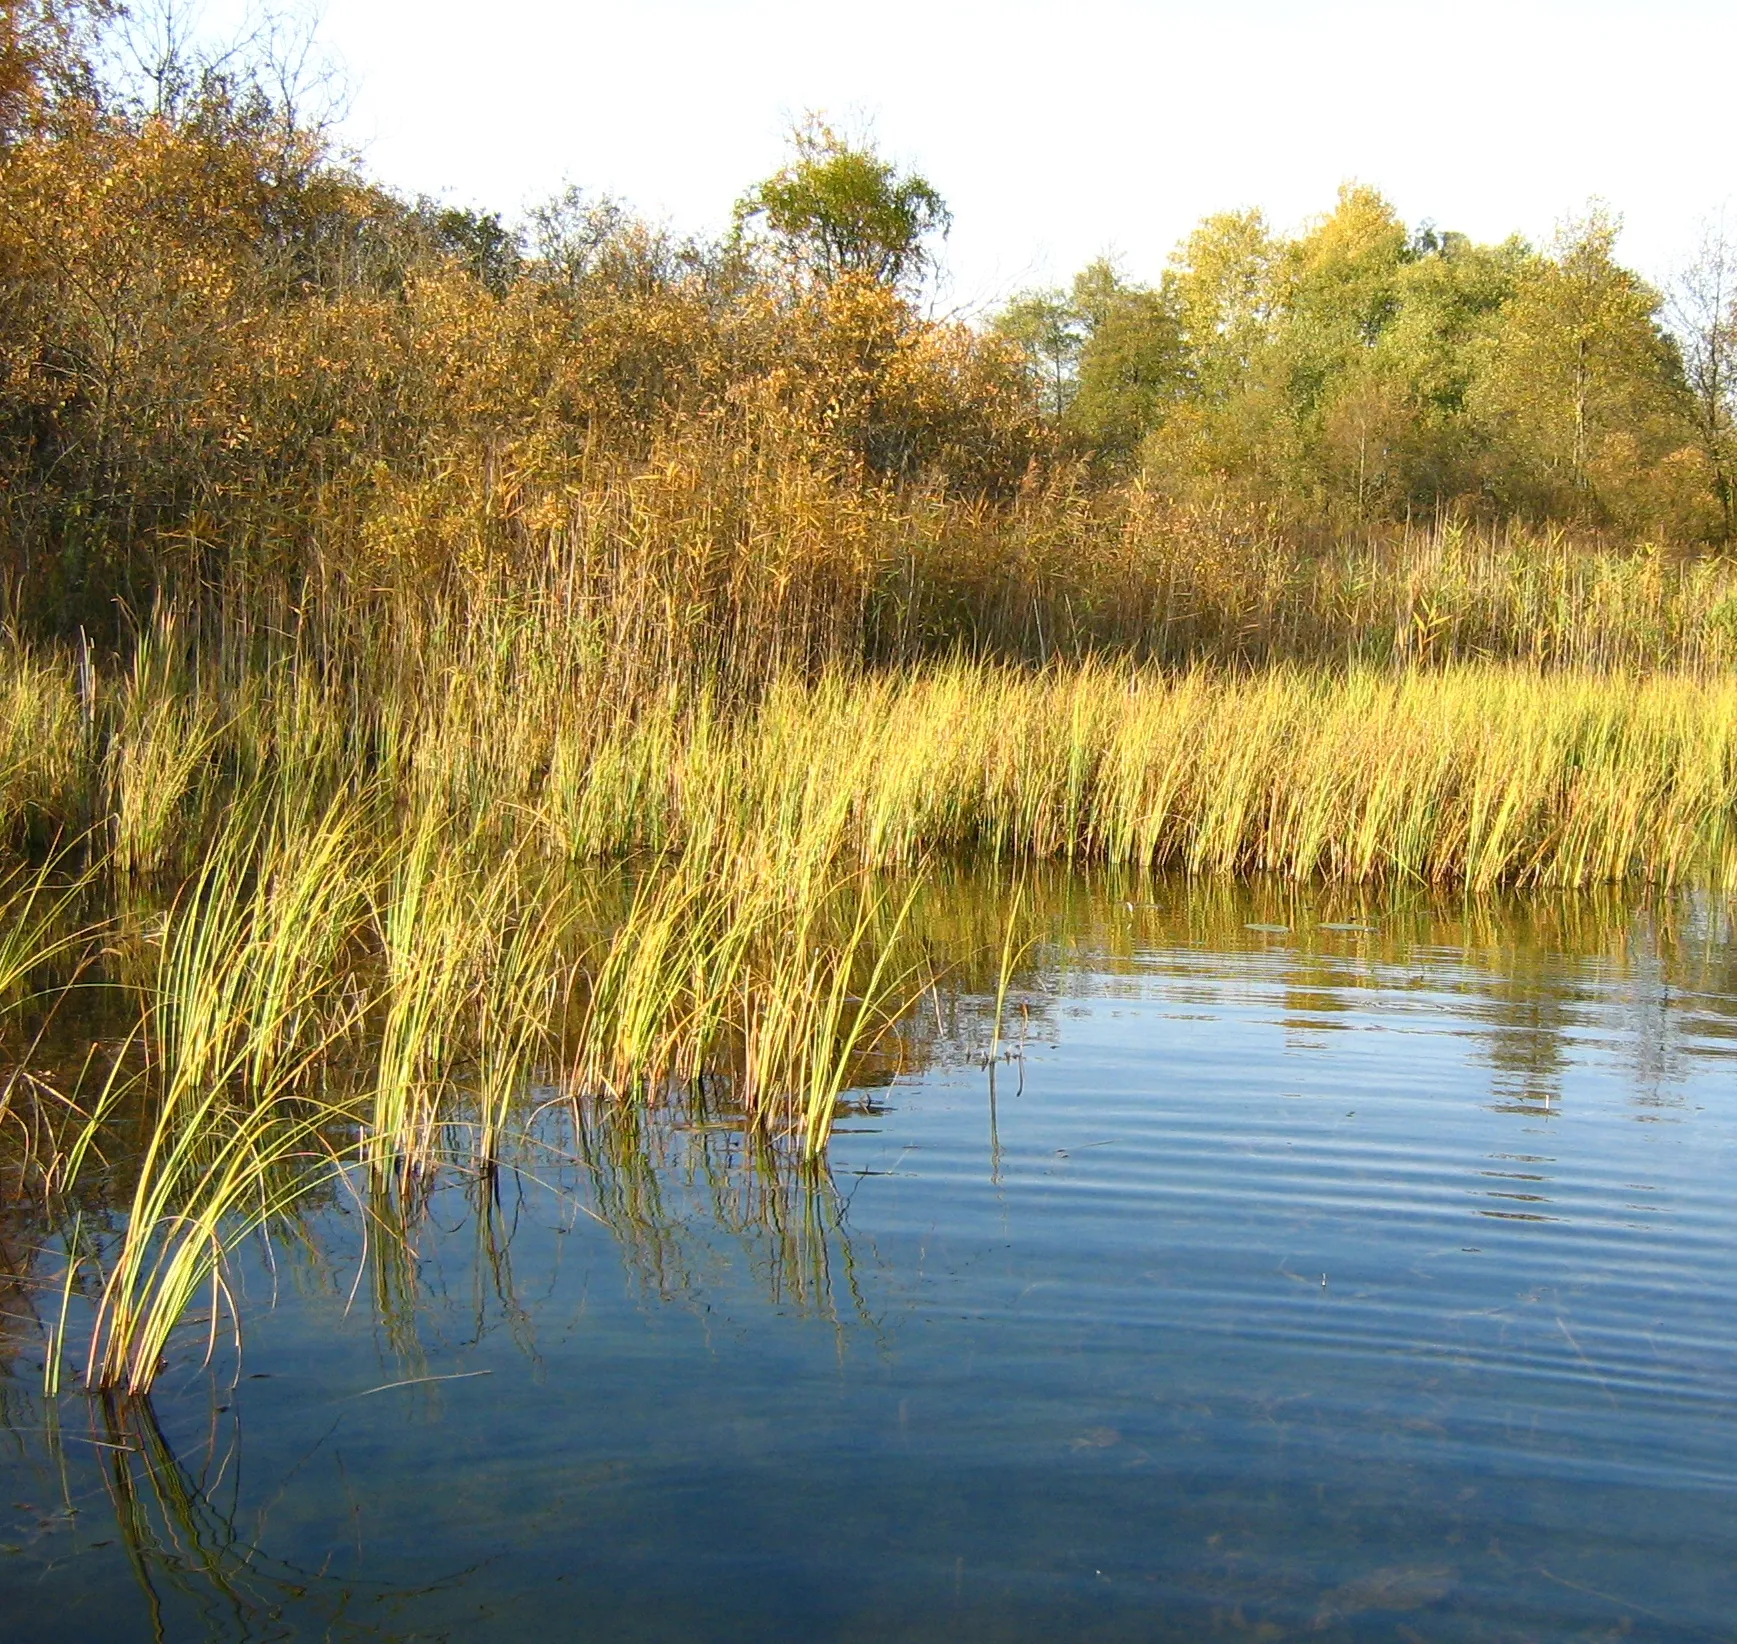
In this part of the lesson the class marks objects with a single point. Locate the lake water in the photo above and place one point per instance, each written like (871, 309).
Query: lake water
(1370, 1283)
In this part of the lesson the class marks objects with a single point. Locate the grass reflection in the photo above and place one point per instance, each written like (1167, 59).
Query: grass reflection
(140, 1149)
(199, 1572)
(448, 1247)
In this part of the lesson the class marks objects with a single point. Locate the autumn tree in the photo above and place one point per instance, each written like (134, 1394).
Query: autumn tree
(841, 209)
(1580, 388)
(1704, 314)
(1047, 330)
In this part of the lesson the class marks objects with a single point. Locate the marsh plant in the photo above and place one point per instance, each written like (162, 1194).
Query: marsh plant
(373, 957)
(452, 668)
(340, 988)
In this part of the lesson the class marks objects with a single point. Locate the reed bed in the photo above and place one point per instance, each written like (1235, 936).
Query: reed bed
(1482, 776)
(1062, 576)
(1485, 775)
(349, 996)
(343, 995)
(348, 895)
(506, 729)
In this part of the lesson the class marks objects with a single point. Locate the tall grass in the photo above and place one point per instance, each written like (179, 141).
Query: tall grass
(617, 826)
(506, 741)
(244, 1005)
(1478, 775)
(1064, 575)
(350, 983)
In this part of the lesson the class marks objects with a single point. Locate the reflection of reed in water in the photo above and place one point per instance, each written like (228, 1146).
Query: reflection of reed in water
(689, 1116)
(665, 1179)
(493, 1226)
(788, 1215)
(661, 1180)
(199, 1575)
(397, 1214)
(394, 1213)
(1521, 969)
(619, 1147)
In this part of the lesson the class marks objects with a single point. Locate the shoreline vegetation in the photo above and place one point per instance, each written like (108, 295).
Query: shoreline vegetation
(495, 725)
(340, 946)
(445, 657)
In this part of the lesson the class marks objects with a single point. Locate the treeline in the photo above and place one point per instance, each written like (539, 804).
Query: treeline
(1364, 371)
(230, 360)
(224, 351)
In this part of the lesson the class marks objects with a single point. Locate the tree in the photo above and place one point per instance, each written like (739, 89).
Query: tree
(1580, 387)
(1704, 311)
(839, 209)
(1335, 292)
(573, 235)
(45, 54)
(1133, 363)
(1047, 330)
(1107, 358)
(1223, 283)
(478, 240)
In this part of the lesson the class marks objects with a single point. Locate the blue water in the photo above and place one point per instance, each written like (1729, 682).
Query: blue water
(1348, 1285)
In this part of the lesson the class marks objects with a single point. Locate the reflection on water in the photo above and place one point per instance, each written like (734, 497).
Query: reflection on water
(1309, 1264)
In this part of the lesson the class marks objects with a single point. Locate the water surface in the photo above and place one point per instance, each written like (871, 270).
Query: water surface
(1309, 1268)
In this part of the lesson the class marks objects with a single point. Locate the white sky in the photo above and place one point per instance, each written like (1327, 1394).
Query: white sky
(1060, 131)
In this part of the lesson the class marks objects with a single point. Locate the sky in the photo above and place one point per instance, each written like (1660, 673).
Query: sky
(1060, 132)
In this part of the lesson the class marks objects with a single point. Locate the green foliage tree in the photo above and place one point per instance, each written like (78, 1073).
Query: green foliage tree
(1224, 436)
(479, 240)
(573, 236)
(1046, 329)
(839, 208)
(1107, 358)
(1358, 371)
(1375, 342)
(1449, 291)
(1222, 277)
(1133, 364)
(1580, 388)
